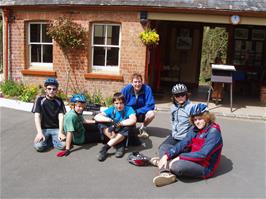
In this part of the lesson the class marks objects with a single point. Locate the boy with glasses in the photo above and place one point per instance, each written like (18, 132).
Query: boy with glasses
(180, 113)
(49, 113)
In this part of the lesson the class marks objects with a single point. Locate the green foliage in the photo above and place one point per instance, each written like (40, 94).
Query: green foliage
(11, 88)
(62, 95)
(68, 34)
(29, 93)
(108, 101)
(149, 37)
(214, 41)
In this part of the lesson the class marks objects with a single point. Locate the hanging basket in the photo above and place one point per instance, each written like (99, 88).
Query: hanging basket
(149, 37)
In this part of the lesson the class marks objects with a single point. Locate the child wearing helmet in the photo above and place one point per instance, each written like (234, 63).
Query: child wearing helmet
(116, 123)
(49, 113)
(180, 111)
(74, 123)
(197, 155)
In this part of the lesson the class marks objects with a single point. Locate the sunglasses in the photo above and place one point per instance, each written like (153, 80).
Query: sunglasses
(51, 89)
(180, 95)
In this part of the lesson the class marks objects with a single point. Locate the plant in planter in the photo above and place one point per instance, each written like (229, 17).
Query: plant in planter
(70, 36)
(149, 37)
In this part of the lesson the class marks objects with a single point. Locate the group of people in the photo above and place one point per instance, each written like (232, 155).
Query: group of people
(193, 149)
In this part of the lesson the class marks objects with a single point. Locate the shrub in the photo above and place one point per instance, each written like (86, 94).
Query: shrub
(29, 93)
(11, 88)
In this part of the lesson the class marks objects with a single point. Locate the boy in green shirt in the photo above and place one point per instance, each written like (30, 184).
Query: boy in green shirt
(74, 123)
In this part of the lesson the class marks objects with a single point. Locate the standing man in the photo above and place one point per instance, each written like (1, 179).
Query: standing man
(140, 97)
(49, 115)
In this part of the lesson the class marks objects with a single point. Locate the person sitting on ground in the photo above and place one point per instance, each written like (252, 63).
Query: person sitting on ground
(140, 97)
(180, 111)
(197, 155)
(74, 124)
(49, 113)
(116, 123)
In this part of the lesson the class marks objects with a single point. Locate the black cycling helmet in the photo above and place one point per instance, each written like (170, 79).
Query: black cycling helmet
(78, 98)
(138, 159)
(198, 109)
(179, 88)
(51, 81)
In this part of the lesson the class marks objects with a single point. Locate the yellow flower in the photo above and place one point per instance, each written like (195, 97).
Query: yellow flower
(149, 37)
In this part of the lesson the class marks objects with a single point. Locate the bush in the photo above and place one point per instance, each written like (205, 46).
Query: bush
(29, 93)
(11, 88)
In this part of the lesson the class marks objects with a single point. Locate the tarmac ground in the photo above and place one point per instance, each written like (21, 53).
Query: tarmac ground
(26, 173)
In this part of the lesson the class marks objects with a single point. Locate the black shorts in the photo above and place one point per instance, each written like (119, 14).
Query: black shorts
(140, 117)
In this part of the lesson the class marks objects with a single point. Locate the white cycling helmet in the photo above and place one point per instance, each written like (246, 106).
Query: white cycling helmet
(179, 88)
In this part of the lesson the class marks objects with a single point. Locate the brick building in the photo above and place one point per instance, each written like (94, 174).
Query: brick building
(114, 50)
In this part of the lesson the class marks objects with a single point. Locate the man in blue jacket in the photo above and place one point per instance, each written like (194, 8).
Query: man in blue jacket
(140, 97)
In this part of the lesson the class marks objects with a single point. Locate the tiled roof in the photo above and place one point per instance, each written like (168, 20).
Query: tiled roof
(238, 5)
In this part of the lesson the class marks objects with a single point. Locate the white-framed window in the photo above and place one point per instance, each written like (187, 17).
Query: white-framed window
(40, 46)
(105, 47)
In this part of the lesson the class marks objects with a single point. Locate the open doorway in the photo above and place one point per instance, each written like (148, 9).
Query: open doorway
(214, 50)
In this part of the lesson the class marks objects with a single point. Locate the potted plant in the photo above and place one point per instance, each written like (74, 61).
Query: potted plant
(70, 36)
(149, 37)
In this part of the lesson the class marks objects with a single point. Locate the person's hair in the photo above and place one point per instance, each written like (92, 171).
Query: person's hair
(72, 104)
(136, 76)
(207, 116)
(119, 96)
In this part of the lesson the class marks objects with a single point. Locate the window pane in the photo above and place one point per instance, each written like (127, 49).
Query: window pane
(35, 53)
(112, 56)
(47, 53)
(99, 34)
(45, 37)
(113, 35)
(99, 56)
(35, 32)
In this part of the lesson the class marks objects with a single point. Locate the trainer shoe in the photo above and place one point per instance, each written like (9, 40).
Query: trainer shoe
(143, 133)
(154, 161)
(120, 151)
(102, 154)
(164, 178)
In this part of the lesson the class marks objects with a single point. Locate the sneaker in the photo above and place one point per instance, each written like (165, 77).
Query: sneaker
(154, 161)
(143, 133)
(164, 178)
(120, 151)
(102, 154)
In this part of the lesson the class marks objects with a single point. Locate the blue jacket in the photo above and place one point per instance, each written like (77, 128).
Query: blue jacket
(203, 147)
(180, 120)
(141, 104)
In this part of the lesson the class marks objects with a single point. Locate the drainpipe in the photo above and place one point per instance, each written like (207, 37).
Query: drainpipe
(6, 47)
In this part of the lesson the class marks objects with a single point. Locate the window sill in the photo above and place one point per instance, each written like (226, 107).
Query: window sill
(103, 76)
(38, 72)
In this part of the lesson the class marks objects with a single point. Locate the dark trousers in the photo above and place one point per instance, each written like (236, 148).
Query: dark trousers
(184, 168)
(168, 143)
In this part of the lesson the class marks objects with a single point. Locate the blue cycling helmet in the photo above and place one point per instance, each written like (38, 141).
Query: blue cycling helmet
(51, 81)
(198, 109)
(78, 98)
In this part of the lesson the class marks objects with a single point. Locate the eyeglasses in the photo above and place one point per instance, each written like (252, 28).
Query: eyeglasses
(180, 95)
(51, 89)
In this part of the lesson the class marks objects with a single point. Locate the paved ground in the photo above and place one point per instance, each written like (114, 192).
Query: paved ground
(28, 174)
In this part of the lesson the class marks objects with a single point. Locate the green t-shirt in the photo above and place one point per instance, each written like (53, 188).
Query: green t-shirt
(73, 123)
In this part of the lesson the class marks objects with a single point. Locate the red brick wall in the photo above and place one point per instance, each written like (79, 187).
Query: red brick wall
(132, 54)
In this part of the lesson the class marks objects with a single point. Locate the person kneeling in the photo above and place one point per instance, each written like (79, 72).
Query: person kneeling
(197, 155)
(115, 124)
(74, 124)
